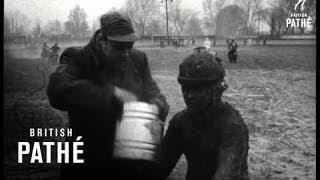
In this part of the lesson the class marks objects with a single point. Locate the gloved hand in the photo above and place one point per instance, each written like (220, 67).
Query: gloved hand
(124, 95)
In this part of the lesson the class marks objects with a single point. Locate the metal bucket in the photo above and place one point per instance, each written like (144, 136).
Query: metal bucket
(139, 132)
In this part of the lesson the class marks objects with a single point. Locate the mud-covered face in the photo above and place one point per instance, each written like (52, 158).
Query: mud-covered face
(198, 98)
(116, 51)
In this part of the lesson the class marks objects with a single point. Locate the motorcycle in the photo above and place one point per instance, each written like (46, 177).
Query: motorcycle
(53, 58)
(232, 56)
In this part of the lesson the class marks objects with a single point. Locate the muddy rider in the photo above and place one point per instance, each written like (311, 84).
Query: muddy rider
(54, 54)
(45, 52)
(232, 54)
(209, 132)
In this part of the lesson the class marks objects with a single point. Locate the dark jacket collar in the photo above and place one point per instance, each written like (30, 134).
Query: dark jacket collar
(95, 51)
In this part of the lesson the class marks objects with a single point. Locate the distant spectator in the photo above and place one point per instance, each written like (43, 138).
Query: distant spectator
(161, 43)
(227, 41)
(45, 52)
(264, 41)
(175, 43)
(54, 54)
(188, 41)
(214, 42)
(245, 42)
(180, 41)
(207, 43)
(193, 41)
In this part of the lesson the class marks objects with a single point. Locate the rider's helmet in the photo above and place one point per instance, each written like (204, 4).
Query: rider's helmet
(201, 68)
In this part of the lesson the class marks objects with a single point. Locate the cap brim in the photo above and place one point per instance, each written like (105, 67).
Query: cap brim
(124, 38)
(196, 82)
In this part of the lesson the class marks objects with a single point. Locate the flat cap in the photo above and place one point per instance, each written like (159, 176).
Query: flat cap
(117, 27)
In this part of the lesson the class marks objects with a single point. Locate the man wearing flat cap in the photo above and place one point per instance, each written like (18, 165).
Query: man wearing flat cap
(92, 83)
(209, 132)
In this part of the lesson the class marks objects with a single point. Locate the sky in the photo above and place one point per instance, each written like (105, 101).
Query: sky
(45, 10)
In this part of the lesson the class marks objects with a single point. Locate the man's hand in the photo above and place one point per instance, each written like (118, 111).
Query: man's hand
(124, 95)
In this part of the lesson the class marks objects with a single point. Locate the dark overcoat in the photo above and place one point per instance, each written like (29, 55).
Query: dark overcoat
(83, 86)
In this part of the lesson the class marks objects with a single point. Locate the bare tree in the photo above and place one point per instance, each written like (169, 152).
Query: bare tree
(231, 20)
(7, 29)
(58, 26)
(68, 27)
(36, 31)
(179, 16)
(212, 8)
(141, 13)
(194, 25)
(21, 22)
(275, 16)
(95, 25)
(52, 27)
(84, 28)
(252, 9)
(154, 27)
(77, 22)
(6, 25)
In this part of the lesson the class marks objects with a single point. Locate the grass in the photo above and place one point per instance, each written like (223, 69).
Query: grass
(274, 90)
(273, 87)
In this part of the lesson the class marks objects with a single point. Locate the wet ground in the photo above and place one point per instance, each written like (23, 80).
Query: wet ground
(273, 87)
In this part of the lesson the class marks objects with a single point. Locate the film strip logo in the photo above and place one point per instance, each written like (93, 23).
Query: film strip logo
(298, 18)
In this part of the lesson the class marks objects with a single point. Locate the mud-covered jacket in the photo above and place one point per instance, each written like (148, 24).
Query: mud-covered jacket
(45, 51)
(215, 144)
(83, 85)
(55, 49)
(233, 46)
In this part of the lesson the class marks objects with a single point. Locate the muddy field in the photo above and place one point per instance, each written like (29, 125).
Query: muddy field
(273, 87)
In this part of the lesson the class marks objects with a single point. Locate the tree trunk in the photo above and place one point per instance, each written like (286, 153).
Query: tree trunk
(272, 24)
(142, 31)
(217, 24)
